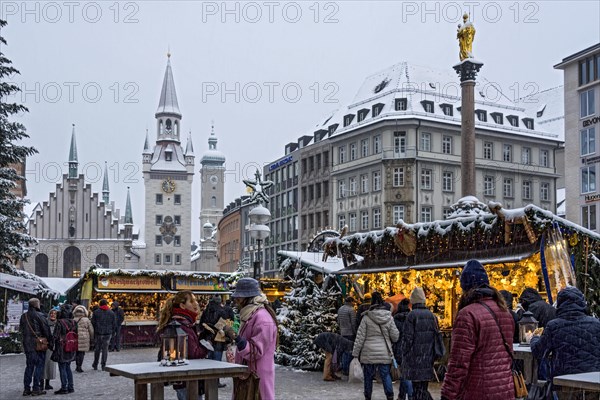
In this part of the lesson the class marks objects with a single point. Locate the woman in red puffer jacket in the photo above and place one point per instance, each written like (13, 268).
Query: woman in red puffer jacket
(479, 367)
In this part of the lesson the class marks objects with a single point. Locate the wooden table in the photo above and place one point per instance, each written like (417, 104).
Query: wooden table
(156, 375)
(586, 381)
(524, 353)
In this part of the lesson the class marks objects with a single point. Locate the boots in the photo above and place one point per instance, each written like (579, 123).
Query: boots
(47, 384)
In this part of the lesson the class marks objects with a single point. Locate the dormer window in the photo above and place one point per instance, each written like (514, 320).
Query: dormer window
(498, 118)
(447, 109)
(540, 112)
(528, 122)
(513, 120)
(377, 109)
(362, 114)
(427, 106)
(348, 119)
(168, 156)
(481, 115)
(332, 128)
(459, 109)
(400, 104)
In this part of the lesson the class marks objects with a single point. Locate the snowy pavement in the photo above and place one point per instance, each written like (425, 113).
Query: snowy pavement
(290, 384)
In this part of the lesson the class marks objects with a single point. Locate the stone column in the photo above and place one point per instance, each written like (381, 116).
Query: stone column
(467, 70)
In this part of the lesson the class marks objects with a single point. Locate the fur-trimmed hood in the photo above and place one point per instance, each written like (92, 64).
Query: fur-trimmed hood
(80, 311)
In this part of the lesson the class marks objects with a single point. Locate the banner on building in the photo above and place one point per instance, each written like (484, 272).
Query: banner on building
(129, 282)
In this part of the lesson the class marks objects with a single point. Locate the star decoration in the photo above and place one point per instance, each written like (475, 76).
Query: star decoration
(258, 187)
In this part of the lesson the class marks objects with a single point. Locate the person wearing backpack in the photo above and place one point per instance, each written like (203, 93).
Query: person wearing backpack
(65, 348)
(85, 335)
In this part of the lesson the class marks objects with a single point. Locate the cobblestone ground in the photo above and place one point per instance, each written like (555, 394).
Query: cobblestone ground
(290, 384)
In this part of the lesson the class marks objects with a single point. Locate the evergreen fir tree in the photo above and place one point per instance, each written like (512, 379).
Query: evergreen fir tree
(14, 241)
(309, 309)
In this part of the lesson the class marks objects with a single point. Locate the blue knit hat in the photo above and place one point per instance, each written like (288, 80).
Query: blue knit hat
(247, 287)
(473, 275)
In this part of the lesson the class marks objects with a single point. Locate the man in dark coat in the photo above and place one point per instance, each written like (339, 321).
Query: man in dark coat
(346, 318)
(210, 316)
(572, 339)
(104, 322)
(332, 343)
(399, 319)
(531, 301)
(229, 313)
(115, 342)
(33, 325)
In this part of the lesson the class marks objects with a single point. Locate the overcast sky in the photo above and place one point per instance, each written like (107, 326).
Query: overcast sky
(100, 66)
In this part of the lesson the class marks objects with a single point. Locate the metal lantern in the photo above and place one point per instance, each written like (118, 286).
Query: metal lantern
(174, 345)
(527, 324)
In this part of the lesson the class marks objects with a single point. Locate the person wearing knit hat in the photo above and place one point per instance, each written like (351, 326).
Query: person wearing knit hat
(418, 338)
(473, 276)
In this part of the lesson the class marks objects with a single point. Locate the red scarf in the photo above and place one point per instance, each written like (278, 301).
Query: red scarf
(182, 311)
(104, 308)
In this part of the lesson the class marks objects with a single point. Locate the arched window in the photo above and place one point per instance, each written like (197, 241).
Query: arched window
(213, 201)
(72, 262)
(41, 265)
(177, 128)
(102, 259)
(168, 126)
(160, 127)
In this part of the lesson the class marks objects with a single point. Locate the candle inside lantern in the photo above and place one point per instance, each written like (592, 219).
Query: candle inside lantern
(173, 355)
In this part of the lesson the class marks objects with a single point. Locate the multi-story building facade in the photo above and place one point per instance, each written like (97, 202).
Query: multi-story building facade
(394, 153)
(582, 123)
(235, 245)
(77, 228)
(168, 172)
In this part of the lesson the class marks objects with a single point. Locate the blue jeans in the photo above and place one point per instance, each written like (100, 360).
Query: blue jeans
(34, 369)
(101, 343)
(405, 389)
(384, 371)
(215, 355)
(66, 375)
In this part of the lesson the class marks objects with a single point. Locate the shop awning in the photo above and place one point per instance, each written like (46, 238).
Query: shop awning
(60, 285)
(132, 291)
(315, 260)
(18, 284)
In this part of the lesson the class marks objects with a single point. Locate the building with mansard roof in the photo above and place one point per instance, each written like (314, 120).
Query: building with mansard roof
(394, 154)
(76, 228)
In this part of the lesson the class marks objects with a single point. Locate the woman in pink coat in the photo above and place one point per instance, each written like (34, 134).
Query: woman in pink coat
(257, 337)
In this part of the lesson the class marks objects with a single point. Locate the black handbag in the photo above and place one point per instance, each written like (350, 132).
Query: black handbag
(539, 391)
(439, 350)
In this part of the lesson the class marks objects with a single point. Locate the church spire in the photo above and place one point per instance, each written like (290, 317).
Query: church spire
(146, 144)
(105, 190)
(128, 213)
(73, 156)
(168, 97)
(189, 147)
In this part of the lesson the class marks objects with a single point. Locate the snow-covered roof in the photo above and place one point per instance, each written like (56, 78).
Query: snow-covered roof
(158, 272)
(60, 285)
(159, 162)
(168, 97)
(26, 282)
(315, 260)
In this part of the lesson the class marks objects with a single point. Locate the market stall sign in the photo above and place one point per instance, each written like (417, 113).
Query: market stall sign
(186, 283)
(126, 282)
(18, 284)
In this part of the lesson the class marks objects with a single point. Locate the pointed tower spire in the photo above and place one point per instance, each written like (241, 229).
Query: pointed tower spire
(168, 97)
(128, 213)
(146, 143)
(73, 156)
(105, 190)
(189, 147)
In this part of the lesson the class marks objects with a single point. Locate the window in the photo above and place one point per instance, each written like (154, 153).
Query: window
(400, 105)
(317, 191)
(488, 150)
(341, 154)
(376, 180)
(588, 141)
(425, 143)
(513, 120)
(352, 222)
(364, 183)
(588, 217)
(397, 213)
(364, 220)
(377, 218)
(348, 119)
(167, 259)
(481, 115)
(527, 190)
(377, 144)
(364, 147)
(498, 118)
(341, 188)
(362, 114)
(507, 187)
(213, 201)
(427, 106)
(544, 158)
(507, 153)
(352, 151)
(588, 179)
(159, 198)
(399, 142)
(168, 156)
(426, 214)
(177, 199)
(177, 219)
(398, 179)
(177, 241)
(544, 191)
(528, 122)
(586, 103)
(426, 175)
(159, 220)
(325, 189)
(158, 240)
(586, 70)
(447, 181)
(177, 259)
(447, 144)
(446, 212)
(341, 221)
(488, 186)
(157, 259)
(376, 109)
(447, 109)
(525, 155)
(352, 185)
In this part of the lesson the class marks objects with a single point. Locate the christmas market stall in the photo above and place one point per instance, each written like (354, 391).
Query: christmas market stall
(141, 294)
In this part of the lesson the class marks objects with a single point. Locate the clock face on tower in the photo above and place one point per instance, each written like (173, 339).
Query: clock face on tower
(168, 186)
(214, 179)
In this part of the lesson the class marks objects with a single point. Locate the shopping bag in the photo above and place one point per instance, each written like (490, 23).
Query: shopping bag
(356, 372)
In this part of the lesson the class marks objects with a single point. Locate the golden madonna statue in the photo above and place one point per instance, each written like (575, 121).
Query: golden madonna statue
(465, 36)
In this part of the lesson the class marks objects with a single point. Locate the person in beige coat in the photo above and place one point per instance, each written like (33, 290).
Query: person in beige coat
(373, 345)
(85, 334)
